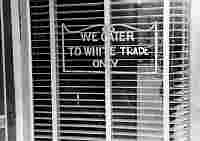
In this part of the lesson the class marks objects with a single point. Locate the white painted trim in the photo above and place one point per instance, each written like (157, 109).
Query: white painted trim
(166, 57)
(53, 70)
(108, 97)
(190, 61)
(156, 46)
(63, 47)
(28, 18)
(18, 72)
(4, 71)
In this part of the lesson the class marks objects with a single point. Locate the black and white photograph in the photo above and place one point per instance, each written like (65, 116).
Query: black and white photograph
(99, 70)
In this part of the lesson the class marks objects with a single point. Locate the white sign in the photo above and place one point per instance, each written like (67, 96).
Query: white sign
(89, 42)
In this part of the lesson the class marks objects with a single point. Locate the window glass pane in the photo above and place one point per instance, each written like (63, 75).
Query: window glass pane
(80, 80)
(136, 69)
(137, 80)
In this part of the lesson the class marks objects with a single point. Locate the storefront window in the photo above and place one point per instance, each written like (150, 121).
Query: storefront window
(70, 94)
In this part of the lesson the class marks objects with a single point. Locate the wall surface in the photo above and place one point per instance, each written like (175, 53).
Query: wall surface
(195, 70)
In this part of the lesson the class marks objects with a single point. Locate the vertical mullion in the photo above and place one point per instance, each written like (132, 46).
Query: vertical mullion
(108, 106)
(4, 71)
(30, 66)
(166, 65)
(53, 70)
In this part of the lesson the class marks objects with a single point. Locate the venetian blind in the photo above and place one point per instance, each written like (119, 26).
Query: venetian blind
(41, 69)
(81, 95)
